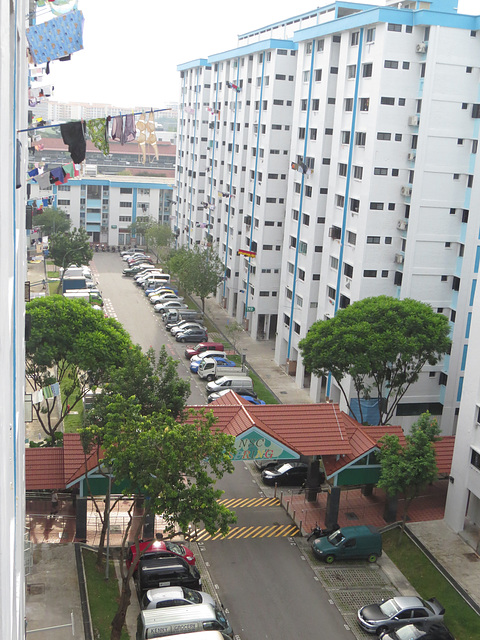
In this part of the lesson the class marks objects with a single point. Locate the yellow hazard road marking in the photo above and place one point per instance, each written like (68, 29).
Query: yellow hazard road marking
(267, 531)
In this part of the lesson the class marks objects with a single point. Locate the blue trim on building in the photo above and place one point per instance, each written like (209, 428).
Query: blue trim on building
(464, 357)
(469, 324)
(472, 292)
(199, 62)
(300, 207)
(254, 47)
(460, 389)
(134, 210)
(252, 221)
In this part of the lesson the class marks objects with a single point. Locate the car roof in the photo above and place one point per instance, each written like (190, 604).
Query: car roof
(164, 593)
(408, 601)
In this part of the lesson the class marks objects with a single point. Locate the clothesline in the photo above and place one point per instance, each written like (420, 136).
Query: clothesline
(121, 115)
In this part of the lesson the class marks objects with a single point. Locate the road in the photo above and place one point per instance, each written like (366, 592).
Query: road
(263, 580)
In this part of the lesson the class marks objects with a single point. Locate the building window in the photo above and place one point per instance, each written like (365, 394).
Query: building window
(376, 206)
(126, 190)
(354, 38)
(334, 262)
(351, 237)
(354, 205)
(391, 64)
(367, 70)
(370, 35)
(405, 65)
(381, 135)
(373, 239)
(320, 45)
(360, 138)
(475, 459)
(342, 169)
(369, 273)
(331, 293)
(125, 205)
(394, 27)
(380, 171)
(364, 104)
(345, 137)
(315, 104)
(357, 172)
(351, 71)
(348, 270)
(318, 75)
(348, 104)
(340, 200)
(387, 100)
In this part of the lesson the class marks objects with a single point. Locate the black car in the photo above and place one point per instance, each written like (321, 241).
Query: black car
(268, 463)
(288, 473)
(192, 335)
(414, 632)
(165, 571)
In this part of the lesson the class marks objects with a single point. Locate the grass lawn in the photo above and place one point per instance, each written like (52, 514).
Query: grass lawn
(102, 597)
(72, 421)
(462, 621)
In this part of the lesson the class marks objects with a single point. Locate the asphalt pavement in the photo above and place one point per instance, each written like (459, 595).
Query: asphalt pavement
(457, 559)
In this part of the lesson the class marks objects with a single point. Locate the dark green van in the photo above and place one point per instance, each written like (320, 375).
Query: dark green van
(349, 543)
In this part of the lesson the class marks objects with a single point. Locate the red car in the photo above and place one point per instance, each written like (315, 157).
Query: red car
(203, 346)
(151, 548)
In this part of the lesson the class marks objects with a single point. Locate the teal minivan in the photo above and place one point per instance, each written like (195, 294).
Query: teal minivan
(349, 543)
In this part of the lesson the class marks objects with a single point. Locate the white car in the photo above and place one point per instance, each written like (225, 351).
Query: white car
(174, 596)
(161, 297)
(160, 307)
(185, 326)
(208, 354)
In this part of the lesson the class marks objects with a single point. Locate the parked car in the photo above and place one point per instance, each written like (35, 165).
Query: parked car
(174, 597)
(185, 326)
(178, 326)
(399, 611)
(164, 297)
(241, 392)
(363, 542)
(158, 548)
(161, 307)
(136, 269)
(192, 335)
(289, 473)
(415, 632)
(252, 400)
(203, 346)
(153, 571)
(266, 463)
(221, 360)
(156, 295)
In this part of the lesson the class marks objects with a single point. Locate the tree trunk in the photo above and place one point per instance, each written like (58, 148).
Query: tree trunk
(119, 618)
(105, 525)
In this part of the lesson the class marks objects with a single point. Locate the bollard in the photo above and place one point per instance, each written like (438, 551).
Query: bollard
(300, 526)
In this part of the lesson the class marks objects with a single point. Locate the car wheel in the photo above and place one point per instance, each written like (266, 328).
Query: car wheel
(372, 557)
(330, 559)
(381, 630)
(210, 378)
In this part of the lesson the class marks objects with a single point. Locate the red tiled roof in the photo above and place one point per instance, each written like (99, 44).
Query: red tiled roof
(57, 144)
(444, 451)
(56, 467)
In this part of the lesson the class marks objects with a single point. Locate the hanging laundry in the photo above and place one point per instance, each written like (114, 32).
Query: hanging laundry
(56, 38)
(97, 130)
(57, 176)
(37, 396)
(73, 134)
(69, 170)
(152, 138)
(47, 392)
(294, 166)
(66, 6)
(55, 387)
(44, 180)
(142, 138)
(123, 128)
(33, 172)
(45, 202)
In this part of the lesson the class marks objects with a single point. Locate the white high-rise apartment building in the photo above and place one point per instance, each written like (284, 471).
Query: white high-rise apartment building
(347, 163)
(13, 177)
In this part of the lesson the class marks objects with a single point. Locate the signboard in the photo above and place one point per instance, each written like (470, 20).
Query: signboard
(250, 309)
(254, 444)
(113, 226)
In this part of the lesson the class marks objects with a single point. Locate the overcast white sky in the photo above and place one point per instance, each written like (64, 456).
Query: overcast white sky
(132, 49)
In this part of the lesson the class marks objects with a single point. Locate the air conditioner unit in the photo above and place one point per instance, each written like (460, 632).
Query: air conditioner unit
(399, 258)
(402, 225)
(413, 121)
(348, 283)
(406, 191)
(412, 156)
(421, 48)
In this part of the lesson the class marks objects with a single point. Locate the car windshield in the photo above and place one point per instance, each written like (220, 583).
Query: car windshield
(410, 632)
(175, 548)
(284, 468)
(220, 617)
(191, 595)
(336, 537)
(389, 608)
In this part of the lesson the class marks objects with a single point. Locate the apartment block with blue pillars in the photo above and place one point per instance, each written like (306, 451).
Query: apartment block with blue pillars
(388, 123)
(106, 206)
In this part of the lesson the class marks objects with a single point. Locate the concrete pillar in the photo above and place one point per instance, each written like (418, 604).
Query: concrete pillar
(81, 520)
(149, 527)
(391, 506)
(367, 490)
(333, 507)
(313, 480)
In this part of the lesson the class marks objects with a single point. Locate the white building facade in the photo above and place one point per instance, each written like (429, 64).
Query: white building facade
(13, 174)
(107, 206)
(344, 142)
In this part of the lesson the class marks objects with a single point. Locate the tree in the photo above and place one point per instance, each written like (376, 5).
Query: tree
(408, 469)
(70, 248)
(160, 236)
(382, 343)
(52, 220)
(174, 465)
(73, 344)
(199, 271)
(233, 329)
(155, 386)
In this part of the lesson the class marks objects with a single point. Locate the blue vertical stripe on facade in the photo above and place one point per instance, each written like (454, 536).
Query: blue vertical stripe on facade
(460, 388)
(472, 292)
(469, 324)
(182, 118)
(259, 124)
(300, 208)
(190, 205)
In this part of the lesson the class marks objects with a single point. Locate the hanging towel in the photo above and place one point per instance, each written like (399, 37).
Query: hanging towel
(73, 134)
(97, 130)
(69, 170)
(44, 180)
(56, 38)
(57, 176)
(37, 396)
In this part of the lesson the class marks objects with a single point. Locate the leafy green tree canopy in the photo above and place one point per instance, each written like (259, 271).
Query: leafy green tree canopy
(382, 343)
(199, 271)
(408, 469)
(174, 464)
(70, 248)
(52, 221)
(74, 344)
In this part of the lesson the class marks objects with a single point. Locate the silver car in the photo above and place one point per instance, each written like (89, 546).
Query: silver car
(174, 596)
(399, 611)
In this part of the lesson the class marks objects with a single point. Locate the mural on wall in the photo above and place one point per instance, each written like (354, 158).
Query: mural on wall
(254, 444)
